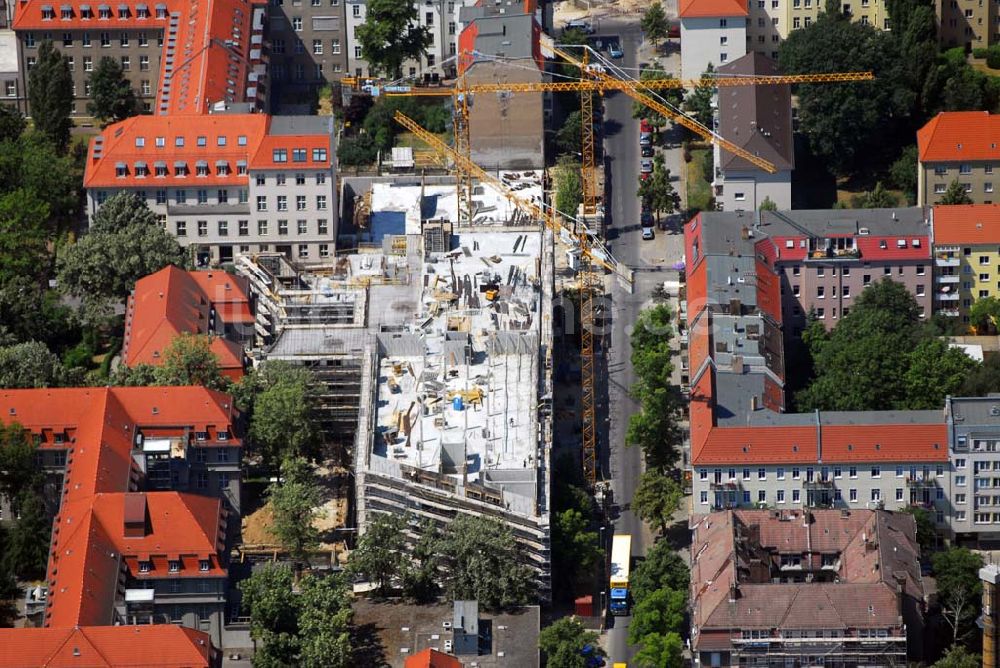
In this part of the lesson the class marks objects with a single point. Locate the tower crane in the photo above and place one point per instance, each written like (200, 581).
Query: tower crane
(587, 281)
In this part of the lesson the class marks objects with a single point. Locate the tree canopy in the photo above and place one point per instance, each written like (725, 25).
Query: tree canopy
(876, 198)
(480, 561)
(662, 568)
(958, 657)
(392, 34)
(32, 365)
(189, 360)
(657, 498)
(698, 103)
(661, 611)
(567, 643)
(280, 399)
(295, 503)
(50, 94)
(880, 357)
(955, 194)
(569, 186)
(657, 192)
(111, 96)
(380, 555)
(654, 23)
(956, 571)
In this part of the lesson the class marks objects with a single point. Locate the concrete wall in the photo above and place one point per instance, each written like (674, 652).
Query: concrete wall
(747, 189)
(507, 130)
(701, 43)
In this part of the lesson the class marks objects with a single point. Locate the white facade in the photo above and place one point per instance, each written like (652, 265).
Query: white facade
(711, 40)
(288, 211)
(745, 190)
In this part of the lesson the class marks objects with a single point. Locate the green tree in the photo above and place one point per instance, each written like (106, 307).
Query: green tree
(357, 151)
(392, 34)
(672, 96)
(111, 96)
(50, 94)
(31, 163)
(654, 23)
(17, 461)
(958, 657)
(656, 499)
(903, 173)
(956, 571)
(380, 555)
(926, 533)
(985, 314)
(295, 503)
(662, 568)
(12, 123)
(575, 547)
(280, 398)
(662, 611)
(877, 198)
(420, 578)
(480, 559)
(27, 550)
(660, 651)
(768, 205)
(24, 236)
(9, 591)
(268, 599)
(325, 623)
(657, 192)
(140, 375)
(120, 212)
(955, 194)
(569, 136)
(189, 360)
(564, 643)
(983, 379)
(31, 365)
(105, 264)
(698, 103)
(935, 371)
(569, 188)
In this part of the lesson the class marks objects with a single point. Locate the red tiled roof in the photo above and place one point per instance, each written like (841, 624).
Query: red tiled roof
(146, 646)
(119, 143)
(703, 9)
(82, 571)
(952, 136)
(172, 302)
(871, 248)
(30, 16)
(264, 157)
(431, 658)
(967, 224)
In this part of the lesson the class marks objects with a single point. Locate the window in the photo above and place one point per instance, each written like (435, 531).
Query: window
(318, 47)
(796, 474)
(298, 155)
(703, 496)
(335, 46)
(181, 228)
(279, 179)
(300, 202)
(722, 23)
(279, 155)
(303, 250)
(88, 64)
(876, 494)
(261, 203)
(960, 463)
(278, 45)
(780, 472)
(143, 39)
(202, 196)
(318, 155)
(301, 227)
(960, 498)
(223, 228)
(723, 41)
(202, 228)
(262, 228)
(988, 187)
(876, 471)
(780, 496)
(820, 292)
(282, 227)
(796, 496)
(322, 227)
(243, 229)
(297, 23)
(105, 39)
(852, 495)
(145, 566)
(899, 494)
(324, 250)
(939, 188)
(761, 496)
(223, 196)
(920, 290)
(203, 565)
(282, 203)
(702, 474)
(746, 474)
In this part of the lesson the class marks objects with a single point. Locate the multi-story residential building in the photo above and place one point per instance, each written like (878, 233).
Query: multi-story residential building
(974, 446)
(12, 92)
(962, 146)
(968, 24)
(758, 119)
(744, 450)
(966, 256)
(309, 44)
(159, 646)
(825, 258)
(225, 184)
(800, 587)
(135, 556)
(712, 32)
(172, 302)
(509, 129)
(177, 58)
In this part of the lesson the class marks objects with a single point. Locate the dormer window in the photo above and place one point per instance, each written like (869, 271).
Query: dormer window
(145, 566)
(202, 141)
(223, 436)
(123, 12)
(142, 11)
(161, 169)
(141, 170)
(203, 565)
(279, 155)
(66, 13)
(180, 168)
(104, 12)
(174, 565)
(121, 170)
(58, 438)
(48, 13)
(202, 168)
(86, 12)
(298, 155)
(161, 11)
(201, 435)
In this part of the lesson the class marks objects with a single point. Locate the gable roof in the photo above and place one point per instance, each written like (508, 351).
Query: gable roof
(146, 646)
(967, 224)
(432, 658)
(952, 136)
(705, 9)
(757, 118)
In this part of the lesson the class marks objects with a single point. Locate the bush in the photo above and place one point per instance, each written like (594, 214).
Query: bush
(360, 150)
(993, 57)
(981, 52)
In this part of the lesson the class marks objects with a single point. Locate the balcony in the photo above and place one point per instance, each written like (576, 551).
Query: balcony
(818, 483)
(725, 486)
(951, 279)
(948, 312)
(946, 296)
(834, 254)
(946, 261)
(920, 481)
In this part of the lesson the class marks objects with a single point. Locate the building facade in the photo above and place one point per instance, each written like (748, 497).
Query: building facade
(974, 447)
(958, 146)
(309, 44)
(966, 257)
(713, 32)
(225, 184)
(759, 120)
(968, 24)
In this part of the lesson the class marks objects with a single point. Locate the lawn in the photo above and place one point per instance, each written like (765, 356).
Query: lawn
(699, 191)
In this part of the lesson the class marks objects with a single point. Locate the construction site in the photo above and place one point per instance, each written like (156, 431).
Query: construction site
(432, 341)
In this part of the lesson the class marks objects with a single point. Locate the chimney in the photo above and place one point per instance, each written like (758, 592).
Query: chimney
(530, 6)
(734, 592)
(136, 517)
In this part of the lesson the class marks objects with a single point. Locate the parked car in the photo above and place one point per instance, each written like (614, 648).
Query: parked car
(615, 50)
(646, 218)
(647, 233)
(647, 151)
(582, 26)
(645, 126)
(645, 139)
(646, 165)
(643, 176)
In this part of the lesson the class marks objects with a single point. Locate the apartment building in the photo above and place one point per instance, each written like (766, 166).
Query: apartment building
(225, 184)
(115, 449)
(178, 56)
(758, 119)
(974, 445)
(967, 23)
(825, 258)
(966, 257)
(309, 44)
(712, 32)
(12, 93)
(159, 646)
(745, 451)
(805, 587)
(962, 146)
